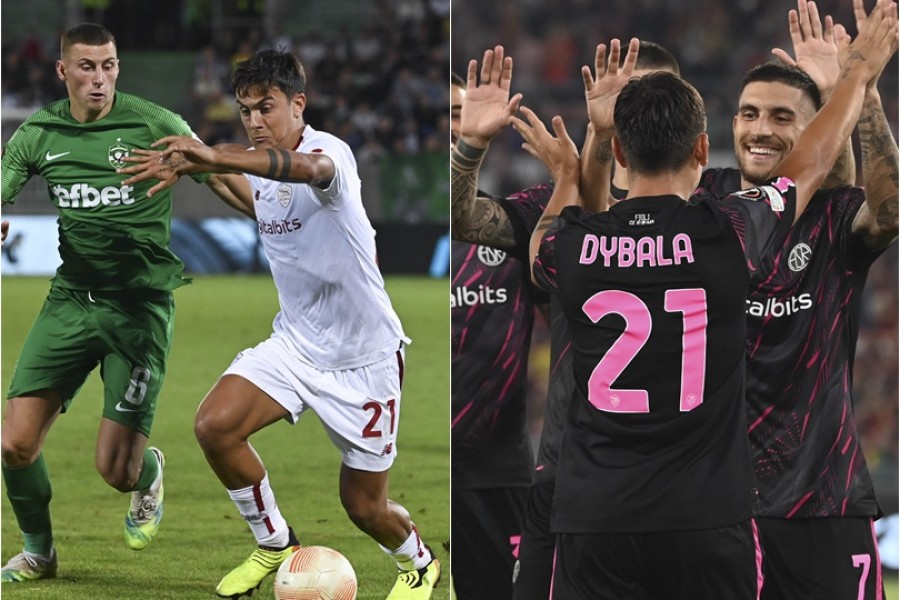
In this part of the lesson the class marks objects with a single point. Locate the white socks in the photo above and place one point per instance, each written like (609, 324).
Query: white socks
(258, 507)
(412, 554)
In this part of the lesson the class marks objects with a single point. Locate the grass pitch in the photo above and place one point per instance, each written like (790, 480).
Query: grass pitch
(202, 536)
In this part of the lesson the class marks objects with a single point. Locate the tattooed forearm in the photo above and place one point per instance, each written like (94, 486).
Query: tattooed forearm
(844, 170)
(474, 219)
(877, 220)
(604, 153)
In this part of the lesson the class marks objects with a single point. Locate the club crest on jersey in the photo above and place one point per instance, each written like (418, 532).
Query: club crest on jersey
(491, 256)
(284, 194)
(118, 152)
(799, 257)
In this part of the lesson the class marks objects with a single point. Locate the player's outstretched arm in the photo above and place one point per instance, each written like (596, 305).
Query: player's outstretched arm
(560, 156)
(276, 164)
(600, 92)
(816, 48)
(822, 140)
(485, 112)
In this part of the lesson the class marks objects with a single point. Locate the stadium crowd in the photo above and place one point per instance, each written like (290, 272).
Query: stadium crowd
(391, 70)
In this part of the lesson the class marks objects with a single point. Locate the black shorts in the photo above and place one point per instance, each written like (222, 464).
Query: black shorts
(820, 559)
(710, 564)
(535, 567)
(485, 532)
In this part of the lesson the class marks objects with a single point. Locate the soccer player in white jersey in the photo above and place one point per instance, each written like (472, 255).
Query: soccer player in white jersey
(337, 345)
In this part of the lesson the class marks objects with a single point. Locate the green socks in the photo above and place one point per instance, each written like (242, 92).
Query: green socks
(149, 472)
(29, 493)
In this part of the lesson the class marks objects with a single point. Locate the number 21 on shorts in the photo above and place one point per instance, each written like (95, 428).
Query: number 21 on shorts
(372, 430)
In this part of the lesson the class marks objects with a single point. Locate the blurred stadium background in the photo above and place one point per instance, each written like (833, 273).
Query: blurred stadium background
(377, 78)
(715, 42)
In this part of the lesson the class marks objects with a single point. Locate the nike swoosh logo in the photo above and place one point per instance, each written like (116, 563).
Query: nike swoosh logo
(124, 409)
(55, 156)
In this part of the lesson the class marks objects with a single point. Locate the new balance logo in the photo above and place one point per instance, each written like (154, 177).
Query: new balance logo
(48, 157)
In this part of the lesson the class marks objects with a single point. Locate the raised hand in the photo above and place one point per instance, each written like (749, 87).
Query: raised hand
(487, 107)
(876, 43)
(815, 48)
(558, 153)
(601, 91)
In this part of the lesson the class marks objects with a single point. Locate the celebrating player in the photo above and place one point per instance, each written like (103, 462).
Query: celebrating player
(337, 345)
(815, 493)
(642, 288)
(492, 302)
(110, 302)
(479, 219)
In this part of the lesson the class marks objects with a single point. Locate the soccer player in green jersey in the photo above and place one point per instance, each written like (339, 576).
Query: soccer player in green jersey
(110, 303)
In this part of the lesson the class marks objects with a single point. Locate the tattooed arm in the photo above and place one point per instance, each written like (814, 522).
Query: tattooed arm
(876, 221)
(272, 163)
(596, 169)
(475, 219)
(485, 110)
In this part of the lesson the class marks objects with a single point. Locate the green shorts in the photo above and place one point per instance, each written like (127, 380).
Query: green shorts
(127, 333)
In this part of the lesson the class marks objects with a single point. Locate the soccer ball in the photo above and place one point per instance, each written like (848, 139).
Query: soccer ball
(315, 573)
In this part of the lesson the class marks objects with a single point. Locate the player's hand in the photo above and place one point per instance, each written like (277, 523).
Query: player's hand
(602, 89)
(815, 47)
(190, 148)
(876, 43)
(558, 153)
(487, 107)
(148, 164)
(4, 230)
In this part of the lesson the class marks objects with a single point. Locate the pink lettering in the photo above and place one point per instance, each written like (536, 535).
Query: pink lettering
(589, 249)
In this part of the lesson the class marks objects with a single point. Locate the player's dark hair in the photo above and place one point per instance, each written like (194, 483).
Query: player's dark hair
(658, 118)
(269, 69)
(654, 56)
(457, 80)
(789, 75)
(89, 34)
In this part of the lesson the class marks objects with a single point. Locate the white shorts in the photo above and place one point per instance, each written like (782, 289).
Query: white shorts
(360, 408)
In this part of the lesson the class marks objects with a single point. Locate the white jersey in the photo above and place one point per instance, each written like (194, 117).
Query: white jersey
(321, 249)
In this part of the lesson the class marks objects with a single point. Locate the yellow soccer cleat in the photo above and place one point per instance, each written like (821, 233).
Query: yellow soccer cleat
(417, 584)
(250, 574)
(142, 520)
(23, 567)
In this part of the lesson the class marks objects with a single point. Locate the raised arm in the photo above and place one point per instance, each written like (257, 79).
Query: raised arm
(876, 221)
(486, 109)
(816, 51)
(824, 138)
(596, 153)
(560, 156)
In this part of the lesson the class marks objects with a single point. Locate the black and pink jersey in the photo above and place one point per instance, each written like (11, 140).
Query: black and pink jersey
(654, 292)
(803, 315)
(524, 212)
(492, 302)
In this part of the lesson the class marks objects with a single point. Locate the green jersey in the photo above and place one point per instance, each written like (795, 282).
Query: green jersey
(111, 236)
